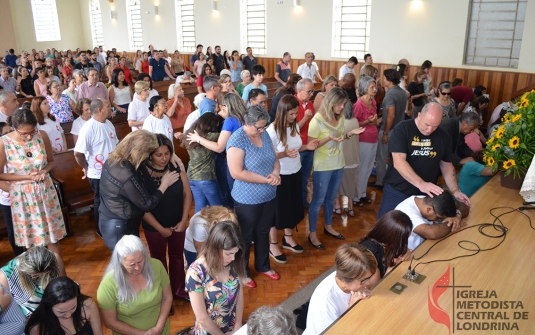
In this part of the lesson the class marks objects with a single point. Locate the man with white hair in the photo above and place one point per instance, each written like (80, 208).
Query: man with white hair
(8, 105)
(421, 152)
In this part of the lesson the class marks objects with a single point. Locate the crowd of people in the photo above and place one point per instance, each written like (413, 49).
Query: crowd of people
(247, 176)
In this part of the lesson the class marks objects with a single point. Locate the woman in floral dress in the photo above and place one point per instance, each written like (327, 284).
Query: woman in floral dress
(213, 281)
(27, 155)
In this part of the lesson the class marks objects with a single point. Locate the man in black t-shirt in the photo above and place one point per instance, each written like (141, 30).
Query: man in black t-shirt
(421, 151)
(83, 65)
(219, 60)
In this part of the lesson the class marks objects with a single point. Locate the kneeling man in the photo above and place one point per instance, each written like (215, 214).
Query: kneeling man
(433, 218)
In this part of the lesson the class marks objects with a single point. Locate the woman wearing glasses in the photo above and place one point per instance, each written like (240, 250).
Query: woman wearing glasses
(36, 213)
(445, 101)
(253, 164)
(138, 110)
(349, 283)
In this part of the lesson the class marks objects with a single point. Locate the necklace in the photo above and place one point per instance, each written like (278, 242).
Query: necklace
(152, 169)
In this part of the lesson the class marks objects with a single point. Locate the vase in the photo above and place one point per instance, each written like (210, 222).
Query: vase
(510, 181)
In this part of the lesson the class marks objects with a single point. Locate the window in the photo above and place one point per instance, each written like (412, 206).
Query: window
(495, 33)
(351, 28)
(45, 20)
(135, 31)
(185, 25)
(253, 25)
(96, 23)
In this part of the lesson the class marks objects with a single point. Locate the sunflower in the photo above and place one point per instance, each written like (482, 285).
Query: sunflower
(508, 163)
(506, 118)
(514, 142)
(516, 117)
(499, 132)
(491, 140)
(496, 146)
(490, 161)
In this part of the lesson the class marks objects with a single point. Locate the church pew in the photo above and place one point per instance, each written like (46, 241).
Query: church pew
(76, 192)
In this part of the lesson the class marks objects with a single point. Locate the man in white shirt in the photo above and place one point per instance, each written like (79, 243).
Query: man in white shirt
(309, 69)
(8, 105)
(351, 282)
(425, 211)
(348, 67)
(97, 138)
(368, 60)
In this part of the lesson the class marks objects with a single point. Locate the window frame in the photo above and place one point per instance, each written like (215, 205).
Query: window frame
(39, 35)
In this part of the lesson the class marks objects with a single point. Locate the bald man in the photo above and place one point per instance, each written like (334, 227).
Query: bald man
(421, 152)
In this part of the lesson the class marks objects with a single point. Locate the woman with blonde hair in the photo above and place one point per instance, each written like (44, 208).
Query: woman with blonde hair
(199, 226)
(328, 83)
(226, 82)
(349, 283)
(135, 294)
(124, 197)
(28, 274)
(327, 126)
(213, 281)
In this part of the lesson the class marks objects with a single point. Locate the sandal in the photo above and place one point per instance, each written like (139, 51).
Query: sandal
(357, 203)
(350, 212)
(366, 200)
(337, 211)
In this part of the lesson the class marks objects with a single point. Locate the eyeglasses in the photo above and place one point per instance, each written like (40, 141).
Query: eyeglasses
(259, 128)
(31, 133)
(363, 281)
(146, 89)
(445, 93)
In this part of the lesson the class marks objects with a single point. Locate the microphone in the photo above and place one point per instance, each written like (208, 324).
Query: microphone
(528, 203)
(525, 208)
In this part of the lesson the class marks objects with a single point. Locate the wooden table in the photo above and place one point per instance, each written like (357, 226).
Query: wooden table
(504, 274)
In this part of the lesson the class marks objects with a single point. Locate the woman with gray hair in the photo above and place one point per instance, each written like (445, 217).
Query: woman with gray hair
(245, 76)
(135, 293)
(445, 101)
(253, 164)
(269, 320)
(365, 110)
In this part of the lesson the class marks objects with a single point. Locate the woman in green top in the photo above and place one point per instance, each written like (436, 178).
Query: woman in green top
(327, 126)
(201, 169)
(135, 295)
(246, 80)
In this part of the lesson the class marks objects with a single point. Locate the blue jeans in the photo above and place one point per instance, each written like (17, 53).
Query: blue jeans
(205, 192)
(221, 169)
(190, 256)
(391, 198)
(307, 157)
(326, 184)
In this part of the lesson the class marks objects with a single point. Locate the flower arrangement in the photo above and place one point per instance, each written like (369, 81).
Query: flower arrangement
(512, 146)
